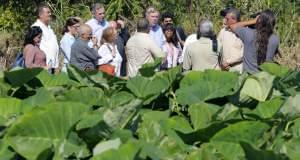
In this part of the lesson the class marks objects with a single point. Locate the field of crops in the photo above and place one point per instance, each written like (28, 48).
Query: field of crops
(207, 115)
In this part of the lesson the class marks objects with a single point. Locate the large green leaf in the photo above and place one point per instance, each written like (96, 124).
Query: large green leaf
(202, 86)
(128, 151)
(46, 128)
(144, 88)
(148, 70)
(161, 140)
(254, 153)
(19, 77)
(119, 117)
(246, 131)
(10, 109)
(228, 112)
(258, 86)
(268, 109)
(5, 152)
(291, 107)
(202, 114)
(41, 98)
(106, 145)
(86, 95)
(275, 69)
(295, 129)
(49, 80)
(292, 148)
(219, 150)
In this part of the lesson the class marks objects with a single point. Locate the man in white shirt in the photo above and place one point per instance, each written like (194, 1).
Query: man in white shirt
(232, 46)
(141, 48)
(49, 42)
(98, 22)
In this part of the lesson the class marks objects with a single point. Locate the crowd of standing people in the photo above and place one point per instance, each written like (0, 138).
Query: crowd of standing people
(107, 46)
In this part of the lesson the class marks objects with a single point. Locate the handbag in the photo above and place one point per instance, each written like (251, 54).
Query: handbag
(107, 68)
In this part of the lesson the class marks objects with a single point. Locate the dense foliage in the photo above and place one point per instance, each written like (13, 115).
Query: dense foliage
(164, 115)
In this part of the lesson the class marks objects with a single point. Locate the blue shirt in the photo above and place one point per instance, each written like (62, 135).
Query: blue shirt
(158, 36)
(97, 27)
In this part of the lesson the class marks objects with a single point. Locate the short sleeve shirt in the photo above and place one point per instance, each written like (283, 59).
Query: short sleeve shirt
(248, 36)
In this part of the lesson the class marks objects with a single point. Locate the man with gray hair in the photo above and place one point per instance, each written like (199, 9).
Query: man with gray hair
(232, 46)
(82, 56)
(141, 48)
(152, 15)
(98, 22)
(202, 54)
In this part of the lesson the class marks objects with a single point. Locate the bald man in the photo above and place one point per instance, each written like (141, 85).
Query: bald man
(123, 36)
(82, 56)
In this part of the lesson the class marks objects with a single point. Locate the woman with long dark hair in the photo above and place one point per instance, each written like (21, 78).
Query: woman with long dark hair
(204, 53)
(70, 32)
(33, 55)
(260, 44)
(171, 47)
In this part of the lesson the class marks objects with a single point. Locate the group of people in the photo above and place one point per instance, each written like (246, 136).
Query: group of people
(107, 46)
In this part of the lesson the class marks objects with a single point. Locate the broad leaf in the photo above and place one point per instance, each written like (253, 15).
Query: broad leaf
(45, 128)
(292, 148)
(49, 80)
(275, 69)
(268, 109)
(254, 153)
(202, 86)
(19, 77)
(106, 145)
(202, 114)
(291, 107)
(86, 95)
(119, 117)
(247, 131)
(10, 109)
(145, 88)
(258, 86)
(128, 151)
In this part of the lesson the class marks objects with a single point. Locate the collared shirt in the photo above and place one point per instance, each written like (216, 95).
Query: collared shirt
(232, 49)
(158, 36)
(200, 56)
(97, 27)
(141, 49)
(49, 44)
(66, 44)
(110, 55)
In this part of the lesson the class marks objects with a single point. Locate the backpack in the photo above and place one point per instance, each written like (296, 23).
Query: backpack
(19, 61)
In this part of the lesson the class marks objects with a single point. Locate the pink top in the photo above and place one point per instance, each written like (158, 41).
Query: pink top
(34, 56)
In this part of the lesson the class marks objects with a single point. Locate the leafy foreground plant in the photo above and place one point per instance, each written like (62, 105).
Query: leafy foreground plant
(202, 115)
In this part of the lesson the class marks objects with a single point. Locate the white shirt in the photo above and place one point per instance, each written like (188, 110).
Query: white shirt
(189, 40)
(173, 54)
(97, 27)
(66, 44)
(108, 57)
(49, 44)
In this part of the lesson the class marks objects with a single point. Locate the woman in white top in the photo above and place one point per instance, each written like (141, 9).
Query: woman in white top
(171, 47)
(108, 50)
(70, 31)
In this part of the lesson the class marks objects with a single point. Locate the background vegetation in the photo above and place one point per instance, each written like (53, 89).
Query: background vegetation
(16, 16)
